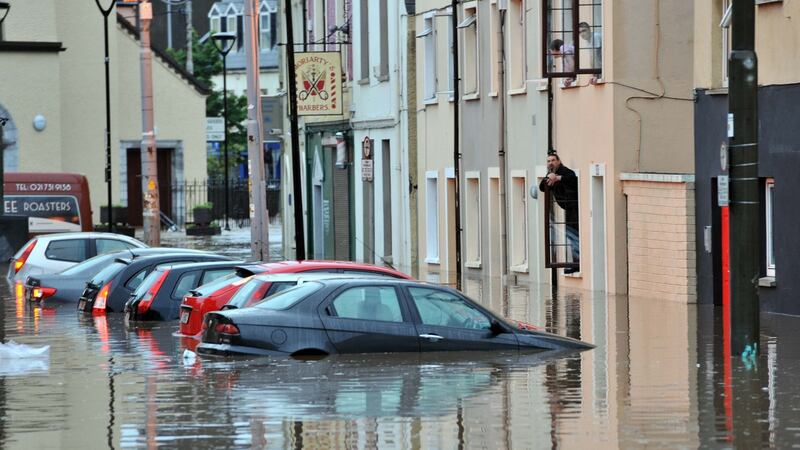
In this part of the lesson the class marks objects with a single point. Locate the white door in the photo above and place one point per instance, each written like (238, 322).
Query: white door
(598, 234)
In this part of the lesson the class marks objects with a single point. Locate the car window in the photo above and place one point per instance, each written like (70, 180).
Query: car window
(369, 303)
(90, 266)
(109, 272)
(73, 250)
(134, 281)
(251, 291)
(280, 286)
(289, 297)
(214, 274)
(111, 245)
(186, 282)
(441, 308)
(207, 289)
(147, 283)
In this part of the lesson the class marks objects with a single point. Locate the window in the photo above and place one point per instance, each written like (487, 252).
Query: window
(111, 246)
(215, 26)
(186, 283)
(252, 291)
(432, 216)
(567, 25)
(469, 30)
(518, 222)
(727, 46)
(444, 309)
(428, 36)
(280, 286)
(383, 68)
(72, 250)
(263, 32)
(289, 297)
(213, 275)
(494, 47)
(364, 34)
(451, 57)
(770, 227)
(516, 44)
(562, 222)
(230, 24)
(472, 205)
(369, 303)
(134, 281)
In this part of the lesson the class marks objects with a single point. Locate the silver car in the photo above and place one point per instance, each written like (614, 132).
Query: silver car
(53, 253)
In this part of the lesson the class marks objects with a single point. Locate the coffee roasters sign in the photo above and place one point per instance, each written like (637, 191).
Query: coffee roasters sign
(319, 76)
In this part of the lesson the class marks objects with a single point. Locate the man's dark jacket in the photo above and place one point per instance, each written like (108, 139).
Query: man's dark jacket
(566, 190)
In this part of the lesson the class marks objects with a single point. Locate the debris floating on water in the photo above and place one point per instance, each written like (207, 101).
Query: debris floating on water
(13, 350)
(21, 359)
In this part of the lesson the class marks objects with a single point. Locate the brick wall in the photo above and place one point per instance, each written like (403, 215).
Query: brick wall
(661, 237)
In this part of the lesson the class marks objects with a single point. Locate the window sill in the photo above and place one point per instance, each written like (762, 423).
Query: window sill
(430, 101)
(573, 85)
(717, 91)
(382, 78)
(573, 275)
(363, 81)
(518, 91)
(434, 261)
(473, 96)
(767, 282)
(520, 268)
(473, 265)
(493, 94)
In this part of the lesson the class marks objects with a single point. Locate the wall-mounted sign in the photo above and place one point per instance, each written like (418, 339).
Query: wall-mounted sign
(215, 129)
(723, 196)
(367, 166)
(319, 77)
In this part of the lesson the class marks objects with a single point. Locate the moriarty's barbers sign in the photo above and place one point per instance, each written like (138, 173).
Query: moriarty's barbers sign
(319, 76)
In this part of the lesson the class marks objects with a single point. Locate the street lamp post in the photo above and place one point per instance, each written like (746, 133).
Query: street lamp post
(106, 12)
(224, 44)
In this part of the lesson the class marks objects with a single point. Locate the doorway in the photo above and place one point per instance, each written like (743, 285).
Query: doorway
(598, 213)
(134, 182)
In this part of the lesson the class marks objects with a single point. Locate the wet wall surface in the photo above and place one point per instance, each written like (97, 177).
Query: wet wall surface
(657, 379)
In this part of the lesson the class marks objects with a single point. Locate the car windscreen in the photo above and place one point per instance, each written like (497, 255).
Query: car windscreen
(246, 293)
(289, 297)
(90, 266)
(148, 282)
(209, 288)
(108, 273)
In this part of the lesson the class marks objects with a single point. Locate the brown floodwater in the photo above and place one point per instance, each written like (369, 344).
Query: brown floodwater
(657, 379)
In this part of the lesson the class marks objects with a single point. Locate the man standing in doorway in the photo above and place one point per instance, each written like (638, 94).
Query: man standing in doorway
(563, 183)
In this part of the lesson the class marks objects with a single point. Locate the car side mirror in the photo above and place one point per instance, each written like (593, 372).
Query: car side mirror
(496, 328)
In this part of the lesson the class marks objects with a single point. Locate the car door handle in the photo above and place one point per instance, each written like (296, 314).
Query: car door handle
(432, 337)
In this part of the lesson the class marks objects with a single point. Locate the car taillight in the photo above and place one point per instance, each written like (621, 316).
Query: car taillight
(102, 298)
(147, 300)
(20, 262)
(227, 329)
(41, 293)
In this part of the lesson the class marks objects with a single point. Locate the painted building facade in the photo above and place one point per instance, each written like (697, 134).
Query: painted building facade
(53, 66)
(779, 154)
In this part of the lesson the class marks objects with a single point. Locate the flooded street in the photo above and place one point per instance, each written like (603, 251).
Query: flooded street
(657, 379)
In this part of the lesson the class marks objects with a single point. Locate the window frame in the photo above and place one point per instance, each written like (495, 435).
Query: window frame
(429, 79)
(769, 222)
(363, 32)
(725, 41)
(519, 221)
(474, 224)
(383, 53)
(549, 203)
(432, 199)
(520, 66)
(472, 53)
(575, 33)
(264, 31)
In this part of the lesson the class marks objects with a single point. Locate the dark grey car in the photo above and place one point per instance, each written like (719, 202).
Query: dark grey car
(67, 286)
(333, 316)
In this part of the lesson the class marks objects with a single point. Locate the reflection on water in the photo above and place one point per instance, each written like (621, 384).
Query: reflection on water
(656, 379)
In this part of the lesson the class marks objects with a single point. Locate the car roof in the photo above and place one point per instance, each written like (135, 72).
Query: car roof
(298, 276)
(88, 235)
(199, 265)
(290, 266)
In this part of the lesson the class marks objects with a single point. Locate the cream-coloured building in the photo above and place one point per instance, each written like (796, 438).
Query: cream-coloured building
(51, 64)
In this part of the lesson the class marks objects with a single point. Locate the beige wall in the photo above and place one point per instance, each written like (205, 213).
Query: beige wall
(777, 43)
(68, 89)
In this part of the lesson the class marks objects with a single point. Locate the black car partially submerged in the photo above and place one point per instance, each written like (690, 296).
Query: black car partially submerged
(160, 294)
(332, 316)
(109, 289)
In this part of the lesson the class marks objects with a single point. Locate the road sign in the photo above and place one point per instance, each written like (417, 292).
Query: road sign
(723, 196)
(215, 129)
(367, 170)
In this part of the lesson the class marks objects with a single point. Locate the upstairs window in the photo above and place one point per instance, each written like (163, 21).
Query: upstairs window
(770, 226)
(573, 38)
(727, 31)
(364, 41)
(469, 30)
(263, 32)
(428, 36)
(516, 44)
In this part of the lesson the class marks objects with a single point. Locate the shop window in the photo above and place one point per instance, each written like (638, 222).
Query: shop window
(428, 36)
(573, 38)
(469, 31)
(516, 44)
(770, 228)
(562, 227)
(518, 223)
(432, 217)
(472, 207)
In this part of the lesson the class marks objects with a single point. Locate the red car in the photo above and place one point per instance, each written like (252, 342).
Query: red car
(214, 296)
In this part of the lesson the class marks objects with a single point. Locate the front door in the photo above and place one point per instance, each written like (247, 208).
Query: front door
(369, 319)
(449, 322)
(134, 179)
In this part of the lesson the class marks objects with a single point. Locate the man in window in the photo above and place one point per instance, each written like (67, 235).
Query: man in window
(567, 54)
(594, 42)
(562, 182)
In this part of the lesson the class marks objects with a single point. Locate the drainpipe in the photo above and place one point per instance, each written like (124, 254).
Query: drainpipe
(501, 152)
(553, 272)
(456, 149)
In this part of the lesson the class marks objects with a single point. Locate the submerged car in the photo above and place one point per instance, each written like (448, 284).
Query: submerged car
(54, 253)
(111, 287)
(160, 294)
(67, 286)
(337, 316)
(212, 298)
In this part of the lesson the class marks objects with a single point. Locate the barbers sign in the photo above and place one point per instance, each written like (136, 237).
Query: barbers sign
(318, 76)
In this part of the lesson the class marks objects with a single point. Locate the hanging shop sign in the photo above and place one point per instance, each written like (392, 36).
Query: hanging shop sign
(319, 77)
